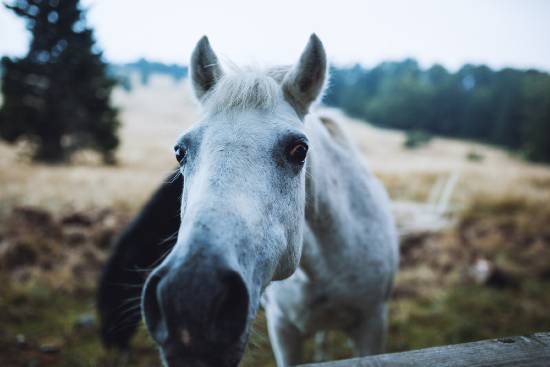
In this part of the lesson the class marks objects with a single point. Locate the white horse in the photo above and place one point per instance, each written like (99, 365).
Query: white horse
(277, 205)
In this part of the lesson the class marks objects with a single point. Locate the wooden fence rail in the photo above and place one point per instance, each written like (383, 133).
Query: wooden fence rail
(519, 351)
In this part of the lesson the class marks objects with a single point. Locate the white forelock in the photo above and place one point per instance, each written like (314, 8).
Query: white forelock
(246, 88)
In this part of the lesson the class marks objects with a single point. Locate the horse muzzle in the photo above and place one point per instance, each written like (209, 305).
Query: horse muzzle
(197, 312)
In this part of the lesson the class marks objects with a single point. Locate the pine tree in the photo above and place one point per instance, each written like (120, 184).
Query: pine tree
(58, 95)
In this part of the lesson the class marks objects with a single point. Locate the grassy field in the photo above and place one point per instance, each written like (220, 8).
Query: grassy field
(488, 275)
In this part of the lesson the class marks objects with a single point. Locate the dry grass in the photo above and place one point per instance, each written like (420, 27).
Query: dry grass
(153, 118)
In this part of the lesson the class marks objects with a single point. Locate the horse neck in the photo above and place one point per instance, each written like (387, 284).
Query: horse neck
(326, 199)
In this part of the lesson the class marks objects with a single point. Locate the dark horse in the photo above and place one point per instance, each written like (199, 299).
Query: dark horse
(148, 237)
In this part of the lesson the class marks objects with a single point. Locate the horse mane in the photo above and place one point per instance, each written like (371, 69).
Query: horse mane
(246, 88)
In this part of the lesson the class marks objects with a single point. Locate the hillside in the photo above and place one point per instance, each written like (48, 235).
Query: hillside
(154, 116)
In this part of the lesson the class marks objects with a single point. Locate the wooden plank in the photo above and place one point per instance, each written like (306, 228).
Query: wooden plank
(519, 351)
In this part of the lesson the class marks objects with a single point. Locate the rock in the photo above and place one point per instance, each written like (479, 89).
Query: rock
(484, 272)
(481, 270)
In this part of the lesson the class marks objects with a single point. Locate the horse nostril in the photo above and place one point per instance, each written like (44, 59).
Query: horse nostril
(189, 307)
(152, 309)
(229, 311)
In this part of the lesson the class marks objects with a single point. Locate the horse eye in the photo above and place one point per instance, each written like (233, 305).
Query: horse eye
(180, 154)
(298, 152)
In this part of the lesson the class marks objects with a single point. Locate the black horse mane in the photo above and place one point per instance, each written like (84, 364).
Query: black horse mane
(144, 242)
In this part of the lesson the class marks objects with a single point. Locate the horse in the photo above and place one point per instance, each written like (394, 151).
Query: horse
(273, 206)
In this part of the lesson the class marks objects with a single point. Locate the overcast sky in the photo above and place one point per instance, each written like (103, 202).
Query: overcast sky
(495, 32)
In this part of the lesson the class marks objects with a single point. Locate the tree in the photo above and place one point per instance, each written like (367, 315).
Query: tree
(536, 117)
(58, 95)
(509, 107)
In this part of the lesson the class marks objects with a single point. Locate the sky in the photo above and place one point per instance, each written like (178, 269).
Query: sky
(499, 33)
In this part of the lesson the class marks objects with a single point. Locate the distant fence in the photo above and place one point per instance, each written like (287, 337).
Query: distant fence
(519, 351)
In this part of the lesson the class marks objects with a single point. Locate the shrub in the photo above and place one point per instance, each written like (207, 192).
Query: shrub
(416, 139)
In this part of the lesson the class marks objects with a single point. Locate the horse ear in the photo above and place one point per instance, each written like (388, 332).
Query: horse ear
(304, 83)
(205, 68)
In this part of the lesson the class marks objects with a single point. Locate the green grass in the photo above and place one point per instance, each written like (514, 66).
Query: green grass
(47, 317)
(465, 314)
(456, 315)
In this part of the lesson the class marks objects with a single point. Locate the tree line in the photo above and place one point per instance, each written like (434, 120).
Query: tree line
(509, 107)
(145, 69)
